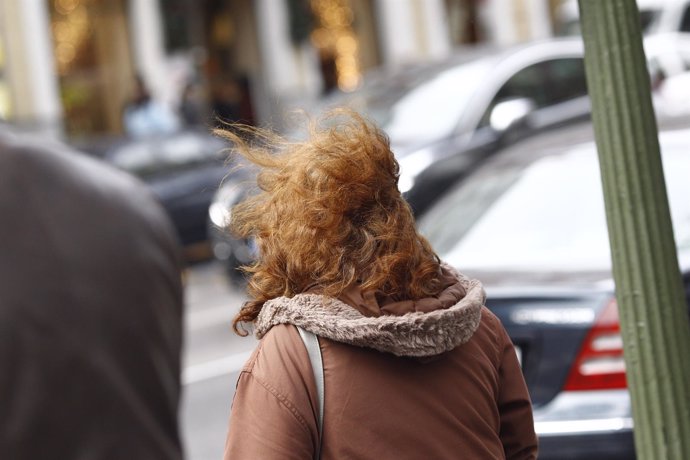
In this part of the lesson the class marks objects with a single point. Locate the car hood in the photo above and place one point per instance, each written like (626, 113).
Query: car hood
(498, 281)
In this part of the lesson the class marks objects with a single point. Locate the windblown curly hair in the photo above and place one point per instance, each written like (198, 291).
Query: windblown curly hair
(328, 213)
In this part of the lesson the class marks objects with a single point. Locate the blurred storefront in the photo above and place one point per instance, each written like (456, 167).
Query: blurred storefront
(464, 25)
(93, 62)
(70, 65)
(215, 45)
(5, 101)
(309, 48)
(511, 21)
(343, 33)
(32, 101)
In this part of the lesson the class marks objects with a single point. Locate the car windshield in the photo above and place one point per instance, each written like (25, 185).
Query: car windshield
(380, 92)
(433, 109)
(419, 104)
(547, 216)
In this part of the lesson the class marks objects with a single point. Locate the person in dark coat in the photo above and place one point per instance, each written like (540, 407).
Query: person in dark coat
(90, 311)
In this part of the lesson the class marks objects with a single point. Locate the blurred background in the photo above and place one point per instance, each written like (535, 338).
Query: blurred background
(141, 83)
(68, 67)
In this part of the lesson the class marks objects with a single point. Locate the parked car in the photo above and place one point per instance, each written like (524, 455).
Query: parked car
(668, 57)
(656, 16)
(477, 100)
(530, 224)
(183, 170)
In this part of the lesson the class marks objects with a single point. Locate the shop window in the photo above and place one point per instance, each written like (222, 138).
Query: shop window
(91, 49)
(338, 44)
(463, 21)
(231, 61)
(176, 19)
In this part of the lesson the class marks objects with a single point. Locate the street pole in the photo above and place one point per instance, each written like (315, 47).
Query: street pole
(651, 300)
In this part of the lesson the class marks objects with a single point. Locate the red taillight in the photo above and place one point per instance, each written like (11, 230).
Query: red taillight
(599, 364)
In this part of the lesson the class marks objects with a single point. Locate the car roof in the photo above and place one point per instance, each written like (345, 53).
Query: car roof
(380, 76)
(386, 76)
(562, 140)
(462, 55)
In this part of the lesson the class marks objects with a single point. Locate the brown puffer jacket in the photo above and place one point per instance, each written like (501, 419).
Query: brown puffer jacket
(432, 379)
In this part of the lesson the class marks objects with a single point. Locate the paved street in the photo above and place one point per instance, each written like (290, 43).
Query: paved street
(212, 359)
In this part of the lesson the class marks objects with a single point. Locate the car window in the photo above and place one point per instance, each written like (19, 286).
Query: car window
(545, 83)
(433, 109)
(685, 22)
(548, 215)
(528, 82)
(566, 80)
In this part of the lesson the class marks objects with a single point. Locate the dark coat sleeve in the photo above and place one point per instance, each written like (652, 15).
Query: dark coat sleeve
(515, 408)
(90, 310)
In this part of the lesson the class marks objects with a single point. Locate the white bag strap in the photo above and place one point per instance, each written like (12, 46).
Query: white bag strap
(311, 342)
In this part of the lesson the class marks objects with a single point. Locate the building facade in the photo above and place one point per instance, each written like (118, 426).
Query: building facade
(70, 66)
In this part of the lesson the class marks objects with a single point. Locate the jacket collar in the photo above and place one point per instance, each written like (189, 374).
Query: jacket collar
(414, 334)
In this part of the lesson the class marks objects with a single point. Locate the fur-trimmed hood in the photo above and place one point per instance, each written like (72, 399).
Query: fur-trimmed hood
(414, 334)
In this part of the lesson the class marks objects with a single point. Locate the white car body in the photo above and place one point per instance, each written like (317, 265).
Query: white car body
(659, 16)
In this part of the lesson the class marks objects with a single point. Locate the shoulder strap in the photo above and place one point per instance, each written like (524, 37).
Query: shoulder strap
(311, 342)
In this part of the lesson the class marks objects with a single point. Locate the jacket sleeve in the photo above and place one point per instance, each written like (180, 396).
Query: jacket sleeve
(515, 408)
(266, 425)
(274, 411)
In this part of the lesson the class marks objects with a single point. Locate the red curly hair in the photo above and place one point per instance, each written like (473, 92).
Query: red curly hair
(328, 213)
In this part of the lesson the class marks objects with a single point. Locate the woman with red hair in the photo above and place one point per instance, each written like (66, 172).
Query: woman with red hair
(413, 364)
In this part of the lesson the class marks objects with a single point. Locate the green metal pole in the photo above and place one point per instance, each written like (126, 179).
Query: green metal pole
(652, 309)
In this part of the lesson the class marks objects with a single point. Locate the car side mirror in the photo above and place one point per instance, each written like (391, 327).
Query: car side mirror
(509, 113)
